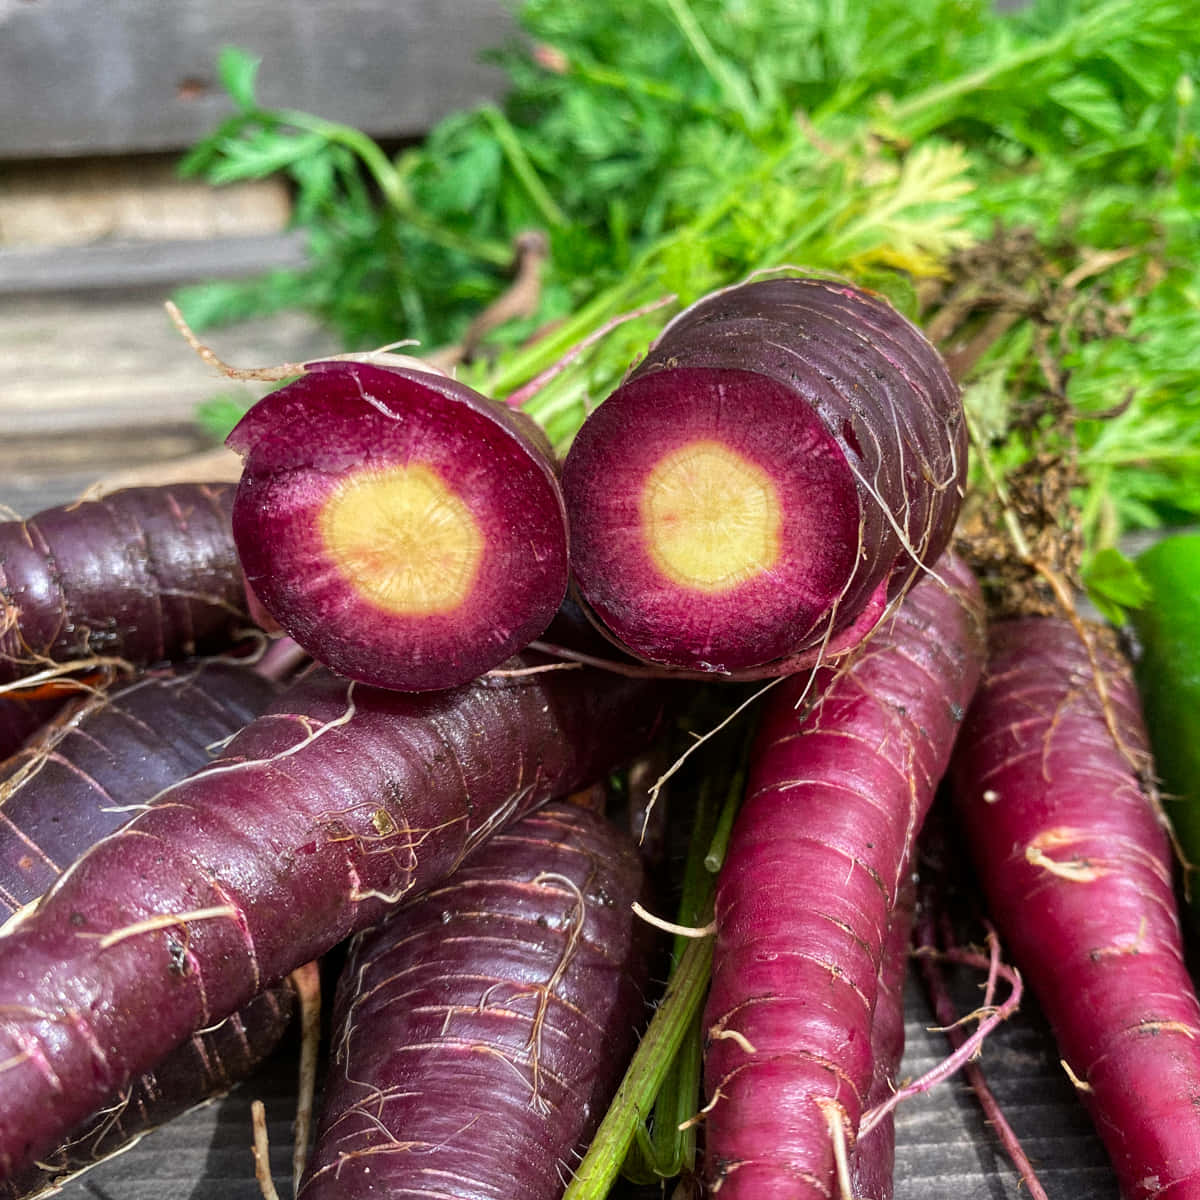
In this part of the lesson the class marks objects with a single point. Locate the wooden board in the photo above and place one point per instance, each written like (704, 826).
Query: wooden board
(99, 381)
(944, 1149)
(82, 78)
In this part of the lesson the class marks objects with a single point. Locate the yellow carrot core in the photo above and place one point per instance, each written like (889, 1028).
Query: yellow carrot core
(403, 539)
(711, 517)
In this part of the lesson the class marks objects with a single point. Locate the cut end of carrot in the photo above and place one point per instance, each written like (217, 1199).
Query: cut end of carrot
(404, 539)
(720, 537)
(711, 517)
(402, 529)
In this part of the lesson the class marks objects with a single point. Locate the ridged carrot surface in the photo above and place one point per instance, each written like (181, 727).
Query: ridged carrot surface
(819, 852)
(1076, 866)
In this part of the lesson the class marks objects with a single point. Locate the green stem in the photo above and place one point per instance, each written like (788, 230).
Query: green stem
(391, 185)
(522, 167)
(733, 86)
(621, 81)
(673, 1018)
(720, 840)
(915, 114)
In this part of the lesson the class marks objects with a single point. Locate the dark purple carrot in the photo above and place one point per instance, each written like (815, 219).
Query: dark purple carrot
(406, 531)
(484, 1027)
(766, 480)
(819, 851)
(145, 575)
(1075, 865)
(202, 1069)
(87, 774)
(73, 785)
(338, 802)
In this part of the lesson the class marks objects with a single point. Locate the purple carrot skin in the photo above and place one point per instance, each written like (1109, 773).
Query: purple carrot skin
(339, 801)
(1075, 865)
(202, 1069)
(873, 1163)
(735, 504)
(819, 851)
(74, 785)
(483, 1028)
(146, 574)
(21, 718)
(84, 777)
(406, 531)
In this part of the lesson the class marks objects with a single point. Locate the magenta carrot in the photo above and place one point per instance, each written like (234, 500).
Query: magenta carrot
(482, 1030)
(873, 1162)
(405, 530)
(818, 854)
(761, 486)
(339, 801)
(146, 574)
(1075, 864)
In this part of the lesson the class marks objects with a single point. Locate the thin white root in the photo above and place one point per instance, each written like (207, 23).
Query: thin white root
(262, 1151)
(689, 931)
(283, 371)
(307, 982)
(1080, 1085)
(167, 921)
(835, 1119)
(732, 1035)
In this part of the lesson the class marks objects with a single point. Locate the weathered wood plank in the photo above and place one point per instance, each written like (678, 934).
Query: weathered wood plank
(944, 1149)
(82, 78)
(71, 202)
(139, 264)
(96, 382)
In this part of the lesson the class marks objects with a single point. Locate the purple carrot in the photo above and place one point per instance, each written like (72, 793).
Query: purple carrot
(146, 574)
(85, 777)
(873, 1163)
(759, 488)
(405, 530)
(484, 1027)
(202, 1069)
(75, 784)
(338, 802)
(1075, 865)
(820, 849)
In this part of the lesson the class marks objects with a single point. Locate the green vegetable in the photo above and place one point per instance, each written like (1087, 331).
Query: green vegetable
(676, 146)
(1168, 675)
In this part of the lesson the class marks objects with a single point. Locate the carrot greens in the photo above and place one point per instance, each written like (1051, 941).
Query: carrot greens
(679, 151)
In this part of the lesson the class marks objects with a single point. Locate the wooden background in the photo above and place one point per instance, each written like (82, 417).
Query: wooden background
(95, 231)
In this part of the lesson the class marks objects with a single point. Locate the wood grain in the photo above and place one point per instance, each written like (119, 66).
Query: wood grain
(944, 1150)
(82, 78)
(100, 381)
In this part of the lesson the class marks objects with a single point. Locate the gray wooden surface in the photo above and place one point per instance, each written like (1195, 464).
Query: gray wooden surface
(944, 1150)
(101, 76)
